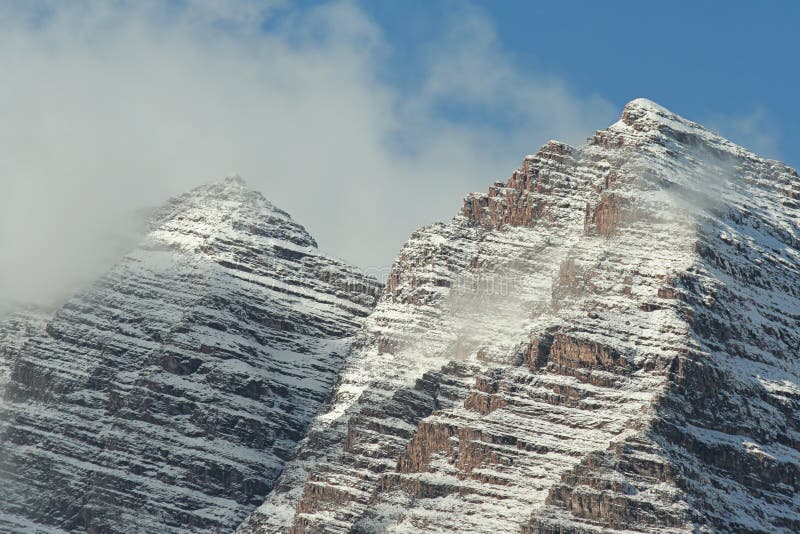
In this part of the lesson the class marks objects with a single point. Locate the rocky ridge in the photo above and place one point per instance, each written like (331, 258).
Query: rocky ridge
(167, 396)
(606, 341)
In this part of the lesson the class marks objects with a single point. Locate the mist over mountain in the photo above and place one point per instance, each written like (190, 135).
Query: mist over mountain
(113, 107)
(605, 341)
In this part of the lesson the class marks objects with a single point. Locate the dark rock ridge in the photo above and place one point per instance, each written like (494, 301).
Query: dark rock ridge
(167, 396)
(609, 341)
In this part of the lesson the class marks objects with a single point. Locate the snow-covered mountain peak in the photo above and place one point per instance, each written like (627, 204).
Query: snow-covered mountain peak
(216, 213)
(648, 123)
(605, 341)
(169, 394)
(647, 105)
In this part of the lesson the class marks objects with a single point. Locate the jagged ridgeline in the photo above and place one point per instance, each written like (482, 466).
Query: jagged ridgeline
(608, 341)
(167, 396)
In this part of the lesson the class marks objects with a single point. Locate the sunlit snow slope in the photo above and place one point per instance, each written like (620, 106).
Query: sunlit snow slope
(608, 340)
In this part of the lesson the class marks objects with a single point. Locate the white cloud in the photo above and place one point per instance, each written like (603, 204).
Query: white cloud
(470, 68)
(109, 107)
(754, 131)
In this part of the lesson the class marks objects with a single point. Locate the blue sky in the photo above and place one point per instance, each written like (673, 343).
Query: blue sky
(731, 65)
(363, 119)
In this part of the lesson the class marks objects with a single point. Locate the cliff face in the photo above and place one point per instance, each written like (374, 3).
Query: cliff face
(607, 340)
(169, 394)
(17, 324)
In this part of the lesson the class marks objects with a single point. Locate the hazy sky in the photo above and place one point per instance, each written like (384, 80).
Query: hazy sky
(363, 120)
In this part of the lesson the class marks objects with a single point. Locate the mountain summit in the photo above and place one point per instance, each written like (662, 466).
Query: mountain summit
(169, 394)
(606, 341)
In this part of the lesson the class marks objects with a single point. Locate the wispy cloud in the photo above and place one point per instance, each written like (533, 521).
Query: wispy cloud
(469, 70)
(112, 106)
(755, 131)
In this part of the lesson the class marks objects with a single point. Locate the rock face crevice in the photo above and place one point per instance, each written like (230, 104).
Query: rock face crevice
(617, 325)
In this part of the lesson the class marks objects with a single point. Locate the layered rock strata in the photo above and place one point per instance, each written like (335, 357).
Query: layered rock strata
(167, 396)
(606, 341)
